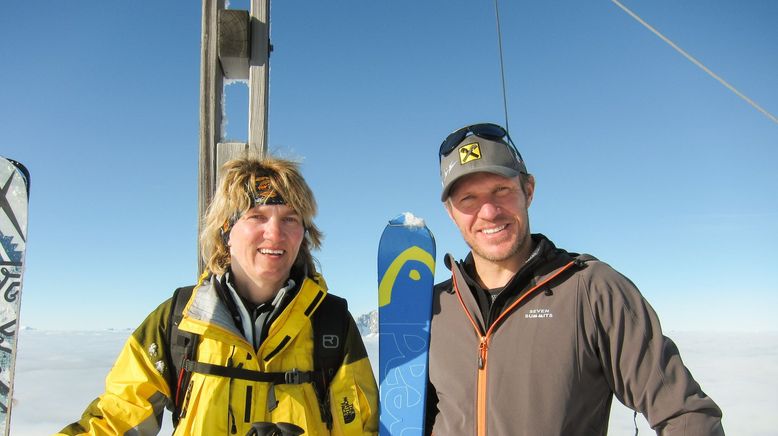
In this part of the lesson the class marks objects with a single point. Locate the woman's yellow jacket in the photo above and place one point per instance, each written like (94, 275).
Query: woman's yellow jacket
(136, 391)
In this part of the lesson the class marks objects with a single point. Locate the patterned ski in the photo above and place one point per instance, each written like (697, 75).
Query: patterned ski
(406, 276)
(14, 186)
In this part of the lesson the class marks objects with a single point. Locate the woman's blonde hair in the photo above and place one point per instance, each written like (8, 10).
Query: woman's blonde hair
(235, 195)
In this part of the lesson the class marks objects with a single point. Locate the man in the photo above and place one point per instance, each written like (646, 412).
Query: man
(528, 339)
(242, 351)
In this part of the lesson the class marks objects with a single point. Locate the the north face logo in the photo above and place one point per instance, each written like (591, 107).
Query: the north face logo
(349, 413)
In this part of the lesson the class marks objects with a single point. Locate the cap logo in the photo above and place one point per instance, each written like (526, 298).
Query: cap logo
(469, 153)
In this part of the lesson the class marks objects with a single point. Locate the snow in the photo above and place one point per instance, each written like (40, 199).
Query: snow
(59, 373)
(412, 221)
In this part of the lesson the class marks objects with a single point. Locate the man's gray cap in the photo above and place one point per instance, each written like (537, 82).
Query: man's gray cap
(476, 154)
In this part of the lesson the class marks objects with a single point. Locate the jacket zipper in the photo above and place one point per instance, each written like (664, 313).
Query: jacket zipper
(483, 345)
(182, 415)
(481, 400)
(247, 413)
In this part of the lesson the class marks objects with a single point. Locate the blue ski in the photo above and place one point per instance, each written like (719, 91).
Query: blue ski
(406, 276)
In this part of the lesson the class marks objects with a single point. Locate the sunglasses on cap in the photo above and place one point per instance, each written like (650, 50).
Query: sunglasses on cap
(483, 130)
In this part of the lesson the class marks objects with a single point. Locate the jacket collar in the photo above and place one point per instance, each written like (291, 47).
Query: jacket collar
(544, 260)
(207, 312)
(544, 249)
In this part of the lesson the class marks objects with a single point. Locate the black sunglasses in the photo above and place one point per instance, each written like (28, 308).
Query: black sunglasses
(483, 130)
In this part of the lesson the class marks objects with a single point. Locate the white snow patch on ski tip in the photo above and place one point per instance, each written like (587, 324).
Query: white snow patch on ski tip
(412, 221)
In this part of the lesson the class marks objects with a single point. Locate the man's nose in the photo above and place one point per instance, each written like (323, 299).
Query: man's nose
(273, 229)
(489, 210)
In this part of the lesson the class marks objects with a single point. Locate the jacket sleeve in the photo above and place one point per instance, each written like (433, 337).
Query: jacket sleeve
(643, 367)
(136, 391)
(353, 390)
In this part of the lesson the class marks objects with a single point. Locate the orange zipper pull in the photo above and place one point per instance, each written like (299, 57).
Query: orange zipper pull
(482, 347)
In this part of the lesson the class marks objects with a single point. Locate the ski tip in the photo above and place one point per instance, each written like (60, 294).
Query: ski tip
(23, 171)
(407, 219)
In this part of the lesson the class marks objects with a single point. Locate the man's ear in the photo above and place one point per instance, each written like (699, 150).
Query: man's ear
(447, 206)
(529, 188)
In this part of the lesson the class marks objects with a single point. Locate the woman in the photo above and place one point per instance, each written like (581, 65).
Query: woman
(244, 349)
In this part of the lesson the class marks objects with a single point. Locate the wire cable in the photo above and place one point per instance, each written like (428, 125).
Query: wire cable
(695, 62)
(502, 69)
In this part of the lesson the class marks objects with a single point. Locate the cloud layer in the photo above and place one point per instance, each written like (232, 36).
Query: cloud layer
(59, 373)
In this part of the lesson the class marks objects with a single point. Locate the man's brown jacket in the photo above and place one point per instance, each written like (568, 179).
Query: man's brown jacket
(548, 354)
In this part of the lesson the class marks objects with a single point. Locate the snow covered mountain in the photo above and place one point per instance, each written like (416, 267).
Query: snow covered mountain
(368, 323)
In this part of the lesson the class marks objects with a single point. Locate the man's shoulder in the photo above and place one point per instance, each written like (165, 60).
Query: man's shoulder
(588, 267)
(594, 267)
(601, 280)
(444, 286)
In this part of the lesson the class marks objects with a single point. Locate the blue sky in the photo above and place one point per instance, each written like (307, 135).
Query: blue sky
(640, 157)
